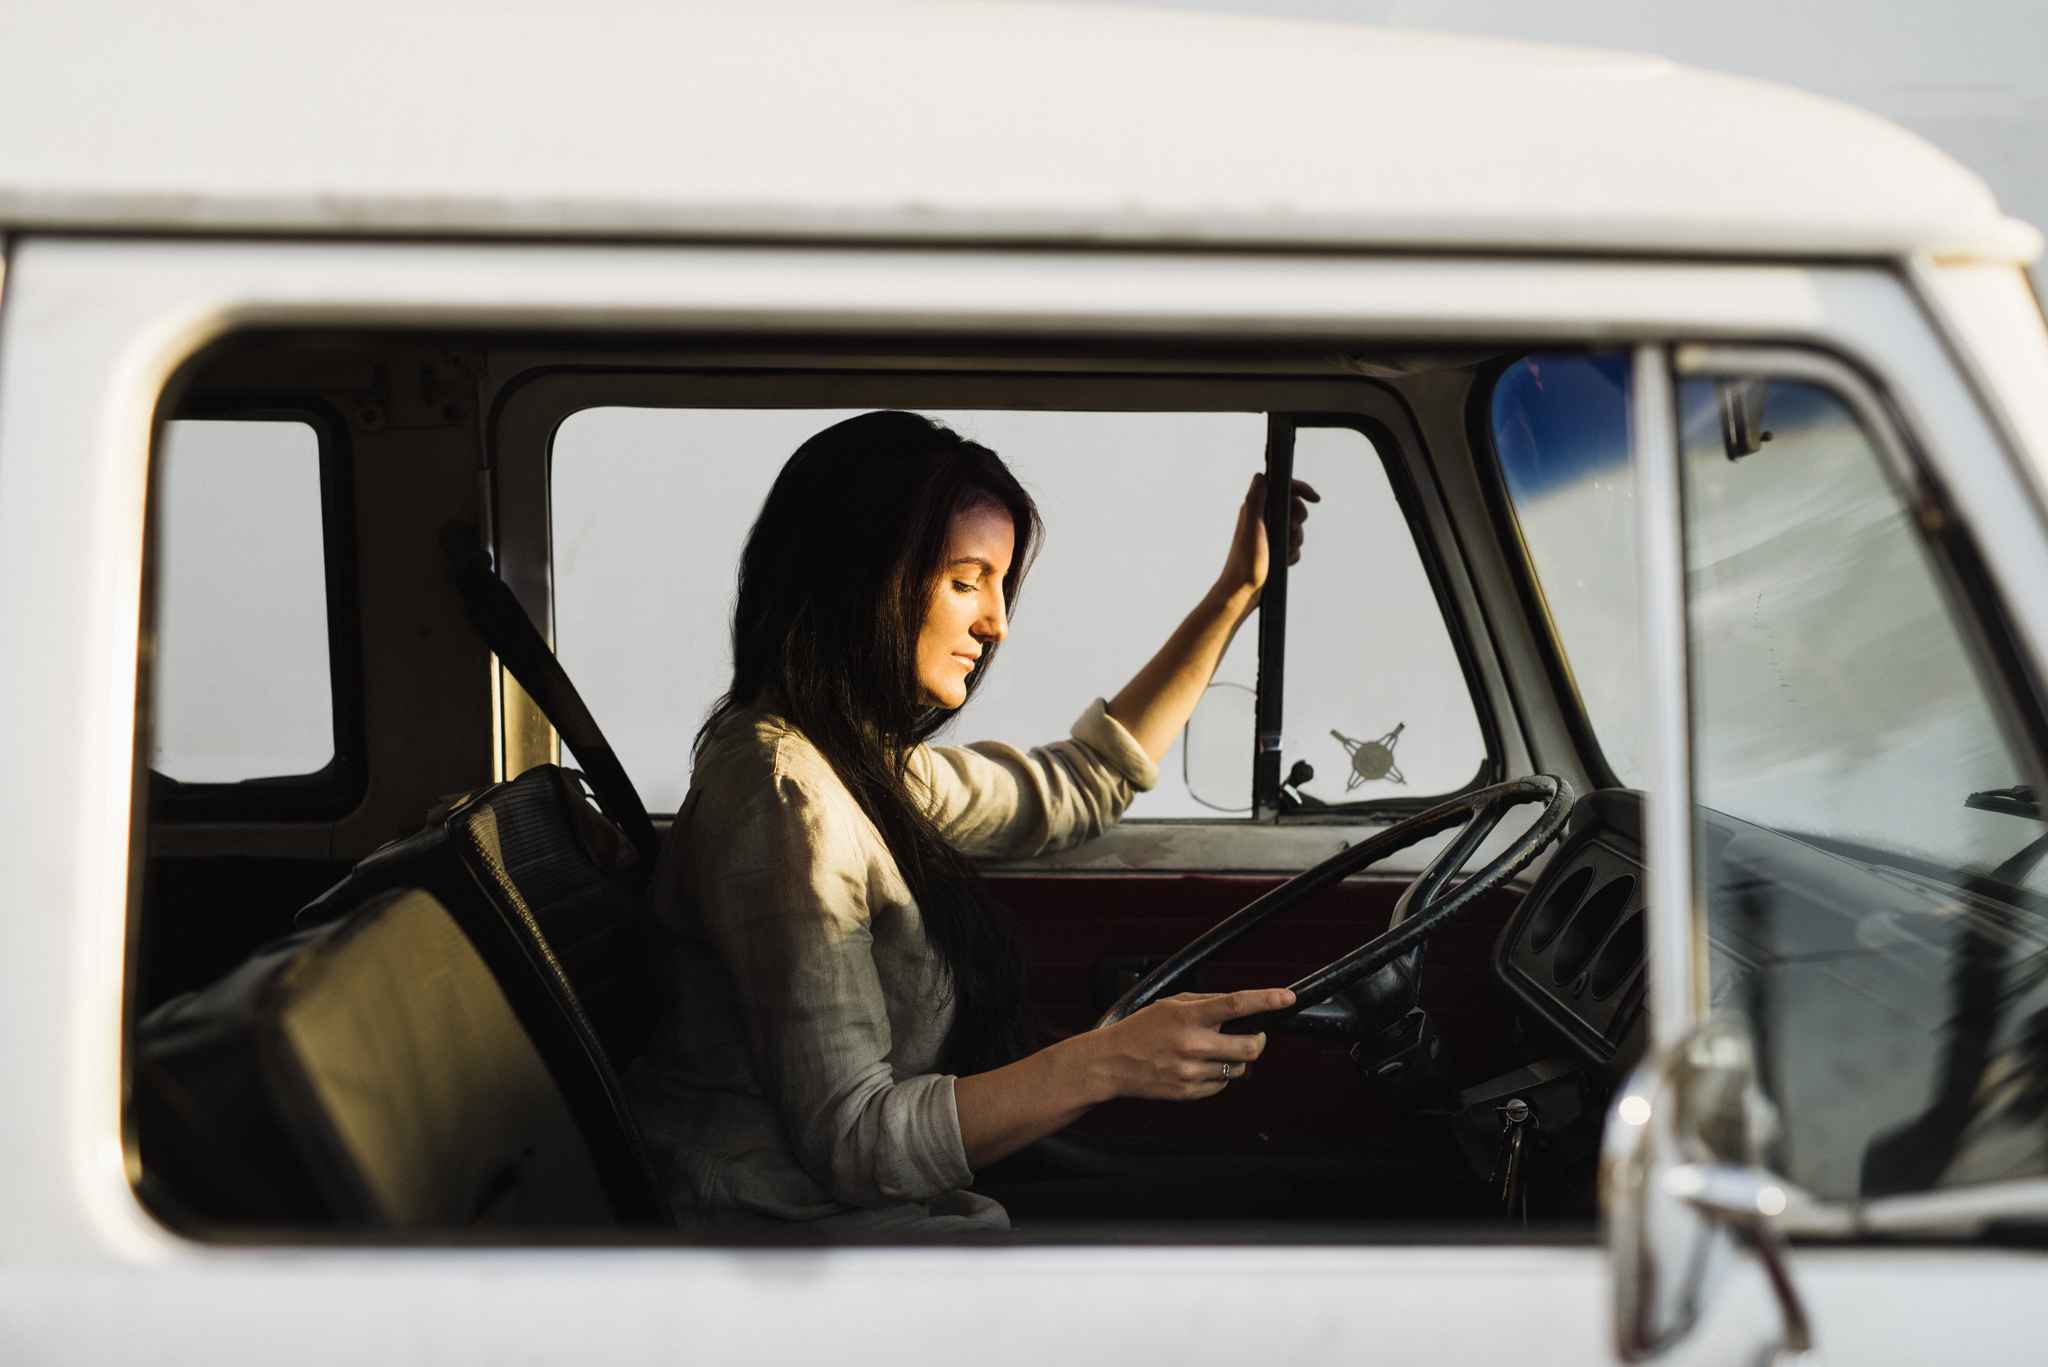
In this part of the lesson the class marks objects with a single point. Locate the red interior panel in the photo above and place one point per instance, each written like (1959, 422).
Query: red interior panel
(1302, 1090)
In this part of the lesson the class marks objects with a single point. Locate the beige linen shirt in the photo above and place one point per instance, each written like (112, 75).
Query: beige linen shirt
(792, 1078)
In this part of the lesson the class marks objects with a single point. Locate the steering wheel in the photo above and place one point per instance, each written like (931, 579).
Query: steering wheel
(1359, 994)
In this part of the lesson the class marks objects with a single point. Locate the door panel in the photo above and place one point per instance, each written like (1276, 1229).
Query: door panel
(1302, 1091)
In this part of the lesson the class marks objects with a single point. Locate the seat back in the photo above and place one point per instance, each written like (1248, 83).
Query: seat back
(367, 1072)
(550, 895)
(575, 886)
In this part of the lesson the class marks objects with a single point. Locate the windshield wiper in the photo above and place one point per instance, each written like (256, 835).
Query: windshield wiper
(2018, 800)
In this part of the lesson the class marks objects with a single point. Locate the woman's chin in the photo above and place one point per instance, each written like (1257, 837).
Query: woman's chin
(948, 700)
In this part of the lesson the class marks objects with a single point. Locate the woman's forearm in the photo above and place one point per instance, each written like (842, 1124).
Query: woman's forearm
(1172, 1050)
(1003, 1110)
(1160, 698)
(1158, 702)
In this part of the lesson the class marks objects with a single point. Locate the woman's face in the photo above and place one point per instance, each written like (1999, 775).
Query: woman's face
(966, 611)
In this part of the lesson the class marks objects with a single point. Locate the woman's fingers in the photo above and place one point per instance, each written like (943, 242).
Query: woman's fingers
(1225, 1058)
(1230, 1005)
(1173, 1049)
(1248, 550)
(1302, 490)
(1213, 1048)
(1297, 521)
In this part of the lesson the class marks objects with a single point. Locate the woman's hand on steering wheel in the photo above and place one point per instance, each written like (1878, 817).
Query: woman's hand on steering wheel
(1175, 1049)
(1172, 1050)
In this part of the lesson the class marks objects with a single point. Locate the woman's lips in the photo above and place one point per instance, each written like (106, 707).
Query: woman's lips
(967, 661)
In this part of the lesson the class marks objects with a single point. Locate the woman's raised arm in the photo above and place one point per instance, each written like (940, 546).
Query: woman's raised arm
(1158, 701)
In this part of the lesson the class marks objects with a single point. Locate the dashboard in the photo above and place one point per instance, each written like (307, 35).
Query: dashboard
(1574, 952)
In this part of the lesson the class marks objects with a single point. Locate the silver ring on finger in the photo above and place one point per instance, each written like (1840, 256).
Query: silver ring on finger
(1226, 1071)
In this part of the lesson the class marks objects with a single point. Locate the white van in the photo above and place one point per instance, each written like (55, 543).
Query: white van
(1684, 444)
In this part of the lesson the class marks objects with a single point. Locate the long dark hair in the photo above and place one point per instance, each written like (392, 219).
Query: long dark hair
(834, 585)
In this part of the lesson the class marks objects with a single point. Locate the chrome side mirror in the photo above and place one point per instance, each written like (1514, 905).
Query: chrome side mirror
(1682, 1184)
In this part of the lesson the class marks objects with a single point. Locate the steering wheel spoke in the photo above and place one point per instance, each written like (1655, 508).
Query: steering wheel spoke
(1429, 886)
(1427, 905)
(1332, 1020)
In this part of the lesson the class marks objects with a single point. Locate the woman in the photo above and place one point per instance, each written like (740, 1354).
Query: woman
(849, 1041)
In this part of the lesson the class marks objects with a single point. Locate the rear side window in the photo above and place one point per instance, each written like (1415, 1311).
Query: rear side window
(651, 508)
(243, 686)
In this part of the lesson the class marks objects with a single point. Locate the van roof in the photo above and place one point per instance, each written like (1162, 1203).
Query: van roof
(934, 120)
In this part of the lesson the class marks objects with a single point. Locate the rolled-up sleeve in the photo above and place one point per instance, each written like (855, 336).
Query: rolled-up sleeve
(995, 801)
(789, 912)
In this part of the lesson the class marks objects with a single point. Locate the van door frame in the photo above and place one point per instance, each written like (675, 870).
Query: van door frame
(93, 330)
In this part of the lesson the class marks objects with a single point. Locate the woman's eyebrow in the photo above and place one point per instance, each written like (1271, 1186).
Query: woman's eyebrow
(987, 566)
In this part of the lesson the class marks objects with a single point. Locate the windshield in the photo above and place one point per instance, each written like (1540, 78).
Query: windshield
(1560, 426)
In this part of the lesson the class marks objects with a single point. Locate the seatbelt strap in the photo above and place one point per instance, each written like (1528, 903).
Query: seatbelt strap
(509, 632)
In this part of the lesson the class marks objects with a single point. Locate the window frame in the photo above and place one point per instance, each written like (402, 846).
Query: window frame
(531, 408)
(338, 787)
(1270, 802)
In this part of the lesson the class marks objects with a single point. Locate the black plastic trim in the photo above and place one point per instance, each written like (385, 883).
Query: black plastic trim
(1271, 699)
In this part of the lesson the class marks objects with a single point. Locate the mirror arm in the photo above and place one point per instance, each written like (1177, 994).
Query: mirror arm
(1746, 1200)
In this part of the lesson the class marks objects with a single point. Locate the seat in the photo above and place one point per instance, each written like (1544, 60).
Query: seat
(550, 895)
(562, 879)
(365, 1073)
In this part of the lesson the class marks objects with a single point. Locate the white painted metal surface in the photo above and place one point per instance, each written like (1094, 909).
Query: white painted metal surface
(935, 119)
(93, 329)
(1996, 323)
(90, 332)
(1030, 1307)
(1937, 1305)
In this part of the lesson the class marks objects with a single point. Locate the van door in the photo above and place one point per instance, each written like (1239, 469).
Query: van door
(1817, 680)
(1865, 852)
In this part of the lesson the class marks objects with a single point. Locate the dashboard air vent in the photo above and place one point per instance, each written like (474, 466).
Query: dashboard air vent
(1589, 927)
(1557, 909)
(1624, 950)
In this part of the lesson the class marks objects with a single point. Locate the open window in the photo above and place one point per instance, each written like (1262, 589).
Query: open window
(613, 501)
(1368, 686)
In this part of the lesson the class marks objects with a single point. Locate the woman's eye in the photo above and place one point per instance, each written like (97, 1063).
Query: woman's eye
(962, 586)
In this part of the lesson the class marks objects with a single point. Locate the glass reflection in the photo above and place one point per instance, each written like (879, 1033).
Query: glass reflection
(1868, 835)
(1560, 426)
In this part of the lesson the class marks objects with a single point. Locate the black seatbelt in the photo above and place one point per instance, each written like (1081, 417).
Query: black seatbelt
(512, 637)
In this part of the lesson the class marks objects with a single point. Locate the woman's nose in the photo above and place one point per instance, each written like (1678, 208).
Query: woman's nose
(995, 621)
